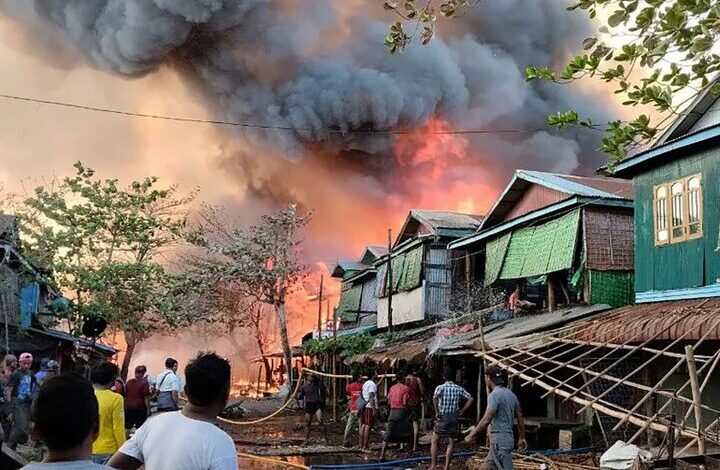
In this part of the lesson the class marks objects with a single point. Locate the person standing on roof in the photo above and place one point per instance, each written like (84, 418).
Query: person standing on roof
(19, 392)
(502, 410)
(446, 401)
(168, 387)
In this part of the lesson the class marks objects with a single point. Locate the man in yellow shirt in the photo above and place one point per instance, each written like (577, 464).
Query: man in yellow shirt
(111, 408)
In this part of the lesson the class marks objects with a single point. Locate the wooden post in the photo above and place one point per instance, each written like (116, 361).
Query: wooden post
(695, 386)
(551, 293)
(258, 382)
(320, 308)
(468, 297)
(478, 405)
(390, 281)
(334, 368)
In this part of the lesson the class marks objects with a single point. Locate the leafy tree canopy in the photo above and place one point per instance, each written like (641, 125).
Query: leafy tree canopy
(655, 53)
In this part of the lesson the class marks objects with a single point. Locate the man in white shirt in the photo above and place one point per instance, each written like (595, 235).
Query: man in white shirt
(367, 415)
(168, 387)
(187, 439)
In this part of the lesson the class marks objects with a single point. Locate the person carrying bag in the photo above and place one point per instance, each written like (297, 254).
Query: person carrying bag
(168, 387)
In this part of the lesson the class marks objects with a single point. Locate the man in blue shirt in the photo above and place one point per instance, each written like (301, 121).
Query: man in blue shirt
(446, 400)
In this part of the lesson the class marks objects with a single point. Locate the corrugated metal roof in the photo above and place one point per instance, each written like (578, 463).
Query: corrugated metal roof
(571, 185)
(443, 219)
(689, 319)
(342, 266)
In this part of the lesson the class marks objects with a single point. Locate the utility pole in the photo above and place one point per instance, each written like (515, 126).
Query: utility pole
(320, 307)
(390, 282)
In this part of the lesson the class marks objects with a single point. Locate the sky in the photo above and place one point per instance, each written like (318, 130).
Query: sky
(317, 67)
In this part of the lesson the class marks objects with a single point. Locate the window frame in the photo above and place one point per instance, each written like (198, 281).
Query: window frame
(669, 206)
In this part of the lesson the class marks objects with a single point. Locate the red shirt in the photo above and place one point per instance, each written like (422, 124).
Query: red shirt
(135, 392)
(398, 396)
(354, 389)
(413, 384)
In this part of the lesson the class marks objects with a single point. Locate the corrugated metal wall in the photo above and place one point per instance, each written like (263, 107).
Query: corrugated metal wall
(437, 280)
(368, 301)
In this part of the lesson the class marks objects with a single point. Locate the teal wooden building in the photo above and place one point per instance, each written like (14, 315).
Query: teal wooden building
(677, 208)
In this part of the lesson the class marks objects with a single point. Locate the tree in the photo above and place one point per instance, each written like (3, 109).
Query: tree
(657, 53)
(260, 263)
(102, 243)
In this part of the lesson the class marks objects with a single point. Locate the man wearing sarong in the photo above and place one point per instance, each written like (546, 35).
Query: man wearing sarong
(398, 427)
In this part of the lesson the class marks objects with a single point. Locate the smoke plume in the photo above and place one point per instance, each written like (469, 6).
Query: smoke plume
(318, 68)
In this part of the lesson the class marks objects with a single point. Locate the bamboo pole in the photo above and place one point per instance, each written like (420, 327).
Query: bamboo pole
(622, 346)
(671, 371)
(695, 386)
(619, 381)
(642, 345)
(667, 404)
(577, 347)
(636, 418)
(390, 283)
(320, 308)
(639, 368)
(601, 408)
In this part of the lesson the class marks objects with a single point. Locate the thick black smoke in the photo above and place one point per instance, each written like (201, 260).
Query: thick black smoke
(318, 65)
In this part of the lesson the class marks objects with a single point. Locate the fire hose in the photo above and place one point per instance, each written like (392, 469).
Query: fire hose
(291, 398)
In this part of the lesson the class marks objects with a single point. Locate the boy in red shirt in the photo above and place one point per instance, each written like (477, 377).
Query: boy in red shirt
(353, 390)
(398, 423)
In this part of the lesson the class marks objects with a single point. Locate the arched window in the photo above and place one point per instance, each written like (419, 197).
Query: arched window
(661, 221)
(677, 210)
(694, 202)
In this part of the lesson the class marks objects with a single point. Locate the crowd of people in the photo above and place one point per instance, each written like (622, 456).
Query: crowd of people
(402, 424)
(87, 424)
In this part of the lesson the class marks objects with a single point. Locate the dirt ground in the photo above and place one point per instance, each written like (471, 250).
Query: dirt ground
(286, 433)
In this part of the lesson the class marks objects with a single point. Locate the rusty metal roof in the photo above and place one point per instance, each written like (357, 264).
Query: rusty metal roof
(686, 319)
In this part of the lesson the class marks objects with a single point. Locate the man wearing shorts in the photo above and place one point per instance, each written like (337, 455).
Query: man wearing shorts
(367, 415)
(446, 401)
(311, 393)
(502, 411)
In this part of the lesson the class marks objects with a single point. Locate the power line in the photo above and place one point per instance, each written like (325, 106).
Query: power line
(246, 125)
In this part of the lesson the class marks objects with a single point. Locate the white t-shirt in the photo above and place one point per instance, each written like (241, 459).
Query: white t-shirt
(71, 465)
(168, 381)
(369, 387)
(172, 441)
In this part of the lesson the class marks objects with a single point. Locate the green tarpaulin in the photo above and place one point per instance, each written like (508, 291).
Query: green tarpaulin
(542, 249)
(494, 256)
(615, 288)
(349, 304)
